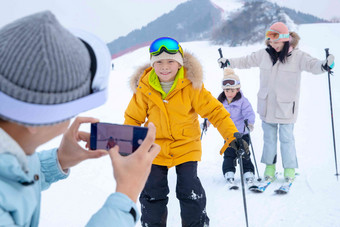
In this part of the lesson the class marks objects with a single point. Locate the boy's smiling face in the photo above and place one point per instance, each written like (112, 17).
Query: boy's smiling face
(166, 69)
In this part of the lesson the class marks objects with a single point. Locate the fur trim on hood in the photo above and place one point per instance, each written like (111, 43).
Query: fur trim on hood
(294, 42)
(294, 39)
(193, 72)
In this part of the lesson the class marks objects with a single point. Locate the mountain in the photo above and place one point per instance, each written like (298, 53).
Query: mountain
(248, 24)
(192, 20)
(238, 22)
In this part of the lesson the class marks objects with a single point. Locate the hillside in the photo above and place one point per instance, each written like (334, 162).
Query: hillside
(234, 22)
(247, 25)
(192, 20)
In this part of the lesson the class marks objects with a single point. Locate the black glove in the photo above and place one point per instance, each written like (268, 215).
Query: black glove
(328, 64)
(223, 62)
(234, 145)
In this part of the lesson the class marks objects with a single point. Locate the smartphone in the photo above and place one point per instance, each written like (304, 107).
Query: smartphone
(106, 135)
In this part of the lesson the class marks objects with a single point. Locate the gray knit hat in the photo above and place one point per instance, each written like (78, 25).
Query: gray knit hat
(43, 63)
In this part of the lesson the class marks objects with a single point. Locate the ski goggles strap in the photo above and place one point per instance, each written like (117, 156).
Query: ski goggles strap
(166, 44)
(275, 35)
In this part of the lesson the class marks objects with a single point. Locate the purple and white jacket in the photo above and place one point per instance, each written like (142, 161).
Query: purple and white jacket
(240, 110)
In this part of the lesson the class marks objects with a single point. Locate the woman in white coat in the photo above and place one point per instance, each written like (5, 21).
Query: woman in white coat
(281, 64)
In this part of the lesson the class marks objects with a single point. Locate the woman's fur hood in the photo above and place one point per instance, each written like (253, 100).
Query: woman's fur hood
(193, 72)
(294, 41)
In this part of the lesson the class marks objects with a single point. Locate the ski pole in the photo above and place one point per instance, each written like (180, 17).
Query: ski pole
(252, 149)
(331, 106)
(205, 127)
(240, 152)
(221, 56)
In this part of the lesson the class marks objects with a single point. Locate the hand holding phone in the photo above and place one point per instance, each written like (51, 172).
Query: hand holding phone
(70, 153)
(105, 136)
(131, 172)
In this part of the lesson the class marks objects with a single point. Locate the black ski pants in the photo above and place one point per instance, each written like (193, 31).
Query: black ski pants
(189, 192)
(230, 159)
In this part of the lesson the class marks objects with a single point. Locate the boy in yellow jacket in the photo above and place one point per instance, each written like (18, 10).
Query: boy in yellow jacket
(171, 94)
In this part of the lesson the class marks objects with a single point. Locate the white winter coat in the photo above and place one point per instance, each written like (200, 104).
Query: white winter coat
(278, 96)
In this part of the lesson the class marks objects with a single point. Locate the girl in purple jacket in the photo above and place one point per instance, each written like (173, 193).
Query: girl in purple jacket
(240, 109)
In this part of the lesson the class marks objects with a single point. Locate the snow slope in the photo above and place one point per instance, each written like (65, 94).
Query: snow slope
(314, 199)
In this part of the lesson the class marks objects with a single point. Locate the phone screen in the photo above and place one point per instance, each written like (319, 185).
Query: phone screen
(127, 137)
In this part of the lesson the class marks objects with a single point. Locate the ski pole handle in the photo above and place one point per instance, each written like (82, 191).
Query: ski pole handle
(221, 56)
(205, 127)
(328, 68)
(241, 149)
(246, 122)
(220, 51)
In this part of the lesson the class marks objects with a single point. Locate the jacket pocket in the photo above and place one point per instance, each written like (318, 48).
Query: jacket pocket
(285, 109)
(262, 103)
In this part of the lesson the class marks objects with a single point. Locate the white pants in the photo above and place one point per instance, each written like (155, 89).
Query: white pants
(287, 144)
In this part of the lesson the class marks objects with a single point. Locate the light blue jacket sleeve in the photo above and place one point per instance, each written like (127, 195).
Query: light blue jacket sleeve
(50, 168)
(118, 210)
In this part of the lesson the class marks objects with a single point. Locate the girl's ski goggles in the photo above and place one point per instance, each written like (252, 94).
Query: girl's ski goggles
(230, 82)
(275, 36)
(166, 44)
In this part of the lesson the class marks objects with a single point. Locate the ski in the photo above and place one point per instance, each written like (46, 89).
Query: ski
(232, 185)
(251, 185)
(284, 188)
(262, 187)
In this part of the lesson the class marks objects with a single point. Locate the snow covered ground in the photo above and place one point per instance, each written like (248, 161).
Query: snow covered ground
(314, 199)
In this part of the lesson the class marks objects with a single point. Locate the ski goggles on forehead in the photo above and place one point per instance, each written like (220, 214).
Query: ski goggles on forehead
(273, 35)
(166, 44)
(230, 82)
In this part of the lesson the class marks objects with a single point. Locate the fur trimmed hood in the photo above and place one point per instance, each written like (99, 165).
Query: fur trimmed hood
(193, 72)
(294, 39)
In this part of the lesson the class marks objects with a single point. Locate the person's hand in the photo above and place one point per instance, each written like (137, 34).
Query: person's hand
(329, 62)
(206, 125)
(70, 153)
(132, 171)
(234, 145)
(250, 127)
(223, 62)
